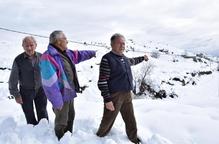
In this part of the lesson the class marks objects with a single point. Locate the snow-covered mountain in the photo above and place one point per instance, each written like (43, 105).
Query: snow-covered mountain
(207, 45)
(190, 117)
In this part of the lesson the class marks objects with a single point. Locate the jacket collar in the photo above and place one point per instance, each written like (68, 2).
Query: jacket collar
(117, 54)
(53, 50)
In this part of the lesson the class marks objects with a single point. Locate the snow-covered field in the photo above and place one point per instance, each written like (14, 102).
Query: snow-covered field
(190, 118)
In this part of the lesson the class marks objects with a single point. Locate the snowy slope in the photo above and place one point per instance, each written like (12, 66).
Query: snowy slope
(190, 118)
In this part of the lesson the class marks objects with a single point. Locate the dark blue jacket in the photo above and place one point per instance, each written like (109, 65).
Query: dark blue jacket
(115, 74)
(120, 73)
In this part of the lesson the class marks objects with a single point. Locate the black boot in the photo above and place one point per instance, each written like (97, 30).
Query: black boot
(138, 141)
(59, 132)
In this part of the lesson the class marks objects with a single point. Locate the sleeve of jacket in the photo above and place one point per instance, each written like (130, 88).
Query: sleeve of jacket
(49, 75)
(135, 60)
(79, 56)
(13, 80)
(104, 75)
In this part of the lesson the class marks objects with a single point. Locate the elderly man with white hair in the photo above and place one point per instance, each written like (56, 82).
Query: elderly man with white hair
(25, 82)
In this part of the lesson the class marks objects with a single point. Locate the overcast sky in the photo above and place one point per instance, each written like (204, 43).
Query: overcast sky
(180, 23)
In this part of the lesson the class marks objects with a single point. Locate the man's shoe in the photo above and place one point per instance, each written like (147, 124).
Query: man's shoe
(138, 141)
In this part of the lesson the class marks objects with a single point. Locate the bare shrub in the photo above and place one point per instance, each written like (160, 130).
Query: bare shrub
(141, 78)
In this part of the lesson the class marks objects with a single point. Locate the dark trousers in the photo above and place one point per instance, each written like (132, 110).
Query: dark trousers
(64, 119)
(123, 103)
(39, 99)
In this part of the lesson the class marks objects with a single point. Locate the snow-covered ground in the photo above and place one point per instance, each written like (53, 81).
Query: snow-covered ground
(190, 118)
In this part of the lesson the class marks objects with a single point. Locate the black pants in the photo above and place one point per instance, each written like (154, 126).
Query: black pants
(64, 119)
(40, 101)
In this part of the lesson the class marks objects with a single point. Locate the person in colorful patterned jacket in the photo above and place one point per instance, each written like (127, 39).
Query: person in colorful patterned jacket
(60, 81)
(115, 83)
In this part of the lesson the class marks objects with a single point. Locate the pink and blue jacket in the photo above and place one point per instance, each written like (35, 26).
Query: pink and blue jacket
(54, 79)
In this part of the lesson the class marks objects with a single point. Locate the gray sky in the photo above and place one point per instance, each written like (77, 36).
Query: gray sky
(181, 23)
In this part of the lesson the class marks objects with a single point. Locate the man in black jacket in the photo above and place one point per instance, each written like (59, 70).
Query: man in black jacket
(26, 73)
(115, 84)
